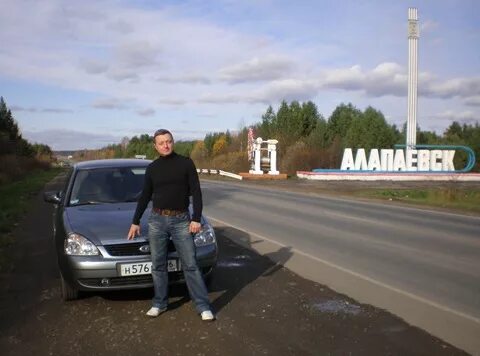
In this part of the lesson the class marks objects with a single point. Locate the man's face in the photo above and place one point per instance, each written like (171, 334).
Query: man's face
(164, 144)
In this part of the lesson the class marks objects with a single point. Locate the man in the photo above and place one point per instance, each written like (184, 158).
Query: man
(169, 181)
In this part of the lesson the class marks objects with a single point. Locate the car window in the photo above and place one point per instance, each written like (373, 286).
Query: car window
(107, 185)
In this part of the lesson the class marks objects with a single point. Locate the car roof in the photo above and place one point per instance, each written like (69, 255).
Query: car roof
(112, 163)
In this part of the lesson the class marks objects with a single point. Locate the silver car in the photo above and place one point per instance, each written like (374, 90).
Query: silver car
(92, 216)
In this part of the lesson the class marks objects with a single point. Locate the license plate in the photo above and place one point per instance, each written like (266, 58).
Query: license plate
(136, 269)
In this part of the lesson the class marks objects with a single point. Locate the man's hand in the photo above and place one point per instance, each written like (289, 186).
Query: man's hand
(194, 227)
(134, 231)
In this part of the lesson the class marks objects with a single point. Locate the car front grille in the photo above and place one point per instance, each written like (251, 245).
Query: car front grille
(132, 249)
(127, 281)
(133, 281)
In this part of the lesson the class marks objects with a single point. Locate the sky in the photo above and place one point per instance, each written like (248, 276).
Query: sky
(85, 74)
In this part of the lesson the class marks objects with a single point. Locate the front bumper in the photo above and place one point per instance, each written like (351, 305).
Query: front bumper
(102, 272)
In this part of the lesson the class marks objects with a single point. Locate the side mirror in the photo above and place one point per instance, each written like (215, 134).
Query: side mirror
(52, 197)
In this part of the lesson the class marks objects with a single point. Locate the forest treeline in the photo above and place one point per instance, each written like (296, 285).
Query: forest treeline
(307, 139)
(17, 155)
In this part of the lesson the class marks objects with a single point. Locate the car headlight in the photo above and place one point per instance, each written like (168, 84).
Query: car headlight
(206, 236)
(77, 245)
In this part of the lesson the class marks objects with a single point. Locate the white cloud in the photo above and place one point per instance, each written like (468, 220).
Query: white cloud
(110, 103)
(92, 66)
(120, 26)
(71, 139)
(473, 101)
(289, 90)
(465, 117)
(391, 79)
(56, 111)
(121, 74)
(175, 102)
(184, 79)
(274, 92)
(146, 112)
(385, 79)
(137, 54)
(428, 26)
(257, 69)
(457, 87)
(41, 110)
(223, 98)
(344, 78)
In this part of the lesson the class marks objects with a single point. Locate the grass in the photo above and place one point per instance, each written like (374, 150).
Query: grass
(461, 199)
(14, 201)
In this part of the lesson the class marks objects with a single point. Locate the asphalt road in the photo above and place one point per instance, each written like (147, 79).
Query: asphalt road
(262, 309)
(429, 257)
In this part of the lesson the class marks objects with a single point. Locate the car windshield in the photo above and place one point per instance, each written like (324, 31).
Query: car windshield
(107, 185)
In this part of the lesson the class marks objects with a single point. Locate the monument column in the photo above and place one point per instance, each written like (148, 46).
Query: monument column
(413, 35)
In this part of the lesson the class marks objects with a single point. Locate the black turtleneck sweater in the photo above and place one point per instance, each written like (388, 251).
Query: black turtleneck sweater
(169, 181)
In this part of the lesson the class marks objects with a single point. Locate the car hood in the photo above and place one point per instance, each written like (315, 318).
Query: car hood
(104, 224)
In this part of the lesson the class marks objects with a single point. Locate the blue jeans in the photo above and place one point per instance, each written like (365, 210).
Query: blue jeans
(160, 228)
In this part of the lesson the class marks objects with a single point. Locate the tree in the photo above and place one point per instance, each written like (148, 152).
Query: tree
(184, 148)
(210, 140)
(7, 122)
(142, 145)
(428, 138)
(318, 136)
(454, 133)
(220, 146)
(199, 153)
(11, 140)
(467, 135)
(370, 130)
(309, 118)
(340, 120)
(266, 128)
(42, 151)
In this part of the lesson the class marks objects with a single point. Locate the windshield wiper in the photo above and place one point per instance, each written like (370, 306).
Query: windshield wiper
(94, 202)
(91, 202)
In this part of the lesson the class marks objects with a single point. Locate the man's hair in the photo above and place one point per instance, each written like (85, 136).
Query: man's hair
(161, 132)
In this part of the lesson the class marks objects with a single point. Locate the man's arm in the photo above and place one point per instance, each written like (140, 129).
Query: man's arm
(194, 187)
(141, 205)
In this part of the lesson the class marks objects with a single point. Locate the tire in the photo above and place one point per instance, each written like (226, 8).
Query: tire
(68, 292)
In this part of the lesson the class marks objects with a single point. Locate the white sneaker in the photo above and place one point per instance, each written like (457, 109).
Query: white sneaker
(154, 312)
(207, 315)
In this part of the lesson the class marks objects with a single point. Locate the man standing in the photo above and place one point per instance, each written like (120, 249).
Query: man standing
(169, 181)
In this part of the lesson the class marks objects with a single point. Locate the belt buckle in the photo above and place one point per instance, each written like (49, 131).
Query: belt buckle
(167, 212)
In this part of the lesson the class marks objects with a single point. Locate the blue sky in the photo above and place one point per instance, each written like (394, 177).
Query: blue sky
(85, 74)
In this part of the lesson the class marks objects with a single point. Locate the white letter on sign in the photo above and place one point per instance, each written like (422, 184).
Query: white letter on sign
(435, 155)
(411, 159)
(423, 157)
(347, 160)
(399, 161)
(447, 160)
(386, 157)
(374, 160)
(361, 160)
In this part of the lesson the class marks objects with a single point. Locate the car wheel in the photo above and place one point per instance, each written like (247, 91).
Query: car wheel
(68, 292)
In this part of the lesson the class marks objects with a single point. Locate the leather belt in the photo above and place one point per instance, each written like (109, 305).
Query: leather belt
(168, 212)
